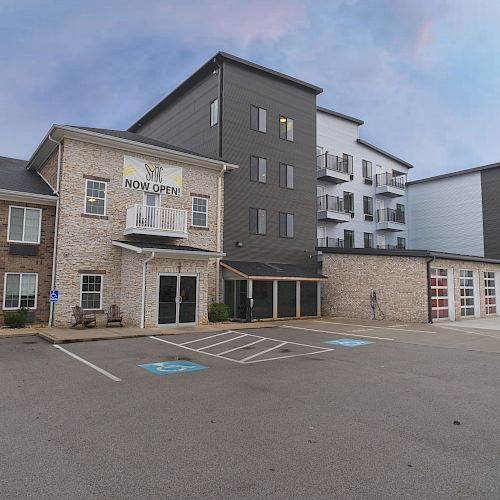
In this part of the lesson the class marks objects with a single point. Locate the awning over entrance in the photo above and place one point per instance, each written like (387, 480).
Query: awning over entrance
(262, 271)
(166, 250)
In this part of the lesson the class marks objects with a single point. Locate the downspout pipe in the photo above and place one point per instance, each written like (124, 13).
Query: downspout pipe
(429, 289)
(219, 232)
(219, 120)
(143, 299)
(56, 226)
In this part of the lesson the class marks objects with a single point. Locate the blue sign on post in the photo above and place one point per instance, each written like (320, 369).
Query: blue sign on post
(348, 342)
(169, 367)
(54, 296)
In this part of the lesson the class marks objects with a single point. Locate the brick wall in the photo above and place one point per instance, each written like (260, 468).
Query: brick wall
(40, 264)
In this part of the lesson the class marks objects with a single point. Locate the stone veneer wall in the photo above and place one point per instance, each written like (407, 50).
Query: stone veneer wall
(84, 244)
(40, 264)
(400, 284)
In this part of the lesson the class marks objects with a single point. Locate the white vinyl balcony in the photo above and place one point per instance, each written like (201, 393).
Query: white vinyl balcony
(156, 221)
(389, 185)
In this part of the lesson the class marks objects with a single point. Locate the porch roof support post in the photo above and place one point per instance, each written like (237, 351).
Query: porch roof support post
(275, 299)
(297, 299)
(143, 301)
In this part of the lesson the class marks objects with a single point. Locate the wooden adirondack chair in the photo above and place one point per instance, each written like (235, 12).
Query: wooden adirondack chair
(114, 315)
(83, 318)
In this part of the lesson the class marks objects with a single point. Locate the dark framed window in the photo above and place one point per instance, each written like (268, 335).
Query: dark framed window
(258, 169)
(287, 229)
(349, 202)
(400, 213)
(368, 237)
(368, 208)
(258, 221)
(348, 238)
(401, 242)
(347, 159)
(286, 176)
(214, 112)
(258, 119)
(367, 171)
(286, 128)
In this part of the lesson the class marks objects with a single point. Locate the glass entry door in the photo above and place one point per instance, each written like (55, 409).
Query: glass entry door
(177, 299)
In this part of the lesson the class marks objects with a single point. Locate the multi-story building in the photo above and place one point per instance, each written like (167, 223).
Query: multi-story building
(27, 212)
(457, 212)
(265, 122)
(361, 190)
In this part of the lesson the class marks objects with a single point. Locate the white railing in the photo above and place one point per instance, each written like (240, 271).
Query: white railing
(157, 219)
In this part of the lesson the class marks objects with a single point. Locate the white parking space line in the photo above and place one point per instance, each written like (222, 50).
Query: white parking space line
(222, 342)
(347, 334)
(288, 356)
(462, 331)
(85, 362)
(206, 338)
(242, 346)
(373, 326)
(277, 346)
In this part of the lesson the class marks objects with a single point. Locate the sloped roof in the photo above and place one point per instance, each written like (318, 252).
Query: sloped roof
(15, 177)
(272, 270)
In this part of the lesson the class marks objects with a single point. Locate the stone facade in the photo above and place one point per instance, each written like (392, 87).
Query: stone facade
(85, 241)
(14, 259)
(400, 284)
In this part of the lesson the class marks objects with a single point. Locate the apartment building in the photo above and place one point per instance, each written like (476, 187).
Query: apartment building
(457, 212)
(265, 122)
(361, 189)
(138, 224)
(27, 212)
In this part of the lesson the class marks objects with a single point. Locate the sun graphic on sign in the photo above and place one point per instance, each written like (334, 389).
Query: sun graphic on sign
(129, 169)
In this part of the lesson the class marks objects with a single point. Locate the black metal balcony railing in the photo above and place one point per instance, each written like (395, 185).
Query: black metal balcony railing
(390, 215)
(331, 162)
(330, 242)
(387, 179)
(331, 203)
(392, 247)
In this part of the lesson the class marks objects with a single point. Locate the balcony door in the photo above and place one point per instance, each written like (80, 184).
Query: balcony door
(151, 202)
(177, 299)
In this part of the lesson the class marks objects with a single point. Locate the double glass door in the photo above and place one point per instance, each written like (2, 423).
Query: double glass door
(177, 299)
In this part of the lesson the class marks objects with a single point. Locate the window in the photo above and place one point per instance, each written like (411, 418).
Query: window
(91, 291)
(348, 238)
(258, 169)
(439, 293)
(286, 128)
(258, 221)
(490, 299)
(24, 224)
(286, 176)
(349, 202)
(319, 150)
(368, 240)
(347, 163)
(258, 119)
(20, 290)
(367, 170)
(95, 197)
(214, 112)
(466, 293)
(400, 213)
(286, 225)
(368, 207)
(401, 243)
(200, 212)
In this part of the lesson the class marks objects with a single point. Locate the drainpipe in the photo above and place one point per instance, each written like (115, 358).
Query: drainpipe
(143, 301)
(219, 127)
(429, 289)
(219, 232)
(56, 227)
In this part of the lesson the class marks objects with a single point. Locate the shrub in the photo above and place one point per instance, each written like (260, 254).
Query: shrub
(218, 312)
(16, 319)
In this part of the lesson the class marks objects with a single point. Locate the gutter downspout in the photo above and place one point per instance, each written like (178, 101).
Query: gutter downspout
(219, 84)
(429, 289)
(219, 232)
(143, 300)
(56, 227)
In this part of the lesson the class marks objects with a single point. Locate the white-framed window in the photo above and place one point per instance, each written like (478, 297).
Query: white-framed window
(91, 291)
(20, 290)
(199, 217)
(214, 112)
(95, 197)
(490, 295)
(467, 293)
(439, 293)
(24, 225)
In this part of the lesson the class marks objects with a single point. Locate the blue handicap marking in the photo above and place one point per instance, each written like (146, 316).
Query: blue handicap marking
(54, 296)
(168, 367)
(348, 342)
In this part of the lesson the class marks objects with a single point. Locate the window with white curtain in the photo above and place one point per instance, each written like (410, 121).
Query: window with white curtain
(20, 290)
(24, 224)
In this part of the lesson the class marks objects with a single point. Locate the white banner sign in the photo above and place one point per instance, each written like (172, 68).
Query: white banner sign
(152, 177)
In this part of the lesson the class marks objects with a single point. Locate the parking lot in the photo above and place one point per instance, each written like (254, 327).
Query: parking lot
(304, 409)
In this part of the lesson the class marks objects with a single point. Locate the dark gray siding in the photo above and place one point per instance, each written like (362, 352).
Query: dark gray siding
(490, 187)
(242, 88)
(186, 121)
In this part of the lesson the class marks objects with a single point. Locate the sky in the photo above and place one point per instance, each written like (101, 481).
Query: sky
(424, 75)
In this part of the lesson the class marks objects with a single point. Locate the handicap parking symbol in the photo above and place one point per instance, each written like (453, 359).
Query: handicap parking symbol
(169, 367)
(348, 342)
